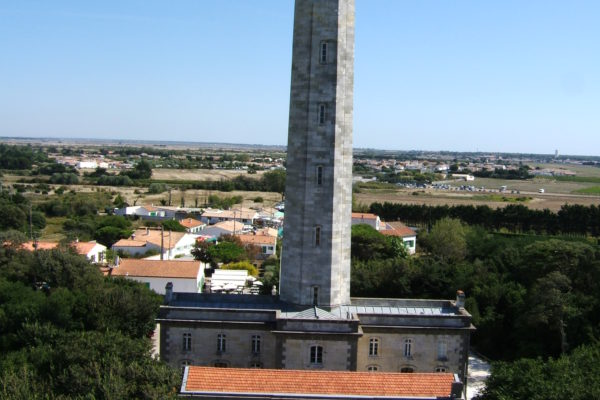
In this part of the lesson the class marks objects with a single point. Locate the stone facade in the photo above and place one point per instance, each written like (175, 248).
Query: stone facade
(313, 323)
(316, 245)
(366, 335)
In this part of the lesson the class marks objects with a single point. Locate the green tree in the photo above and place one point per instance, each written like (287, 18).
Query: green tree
(242, 265)
(274, 181)
(447, 240)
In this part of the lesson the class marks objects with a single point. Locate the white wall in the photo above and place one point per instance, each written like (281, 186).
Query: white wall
(187, 285)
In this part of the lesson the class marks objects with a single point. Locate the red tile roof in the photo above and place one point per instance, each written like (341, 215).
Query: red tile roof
(281, 381)
(364, 215)
(40, 246)
(258, 239)
(129, 243)
(157, 268)
(398, 229)
(191, 223)
(84, 248)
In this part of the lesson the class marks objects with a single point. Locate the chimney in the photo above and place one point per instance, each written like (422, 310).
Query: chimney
(169, 292)
(133, 236)
(460, 299)
(147, 231)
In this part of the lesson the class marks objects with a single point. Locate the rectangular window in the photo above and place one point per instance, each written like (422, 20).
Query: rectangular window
(323, 53)
(322, 113)
(315, 293)
(187, 341)
(372, 368)
(317, 236)
(408, 348)
(316, 355)
(320, 175)
(255, 344)
(442, 350)
(373, 347)
(440, 369)
(221, 343)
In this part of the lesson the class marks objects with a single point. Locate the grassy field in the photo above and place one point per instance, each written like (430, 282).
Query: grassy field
(593, 190)
(199, 174)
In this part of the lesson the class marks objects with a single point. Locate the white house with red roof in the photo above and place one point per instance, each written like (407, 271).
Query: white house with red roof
(398, 229)
(192, 225)
(186, 276)
(366, 218)
(93, 251)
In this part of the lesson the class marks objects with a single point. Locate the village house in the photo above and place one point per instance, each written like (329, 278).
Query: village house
(398, 229)
(266, 243)
(192, 225)
(173, 244)
(366, 218)
(245, 216)
(185, 276)
(223, 228)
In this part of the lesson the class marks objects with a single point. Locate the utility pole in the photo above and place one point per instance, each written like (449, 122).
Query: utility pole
(162, 240)
(30, 224)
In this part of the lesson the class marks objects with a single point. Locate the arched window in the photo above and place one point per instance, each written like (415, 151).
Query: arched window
(407, 369)
(316, 355)
(441, 369)
(372, 368)
(373, 347)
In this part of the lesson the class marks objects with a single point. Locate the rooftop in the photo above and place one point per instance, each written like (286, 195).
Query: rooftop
(207, 381)
(157, 268)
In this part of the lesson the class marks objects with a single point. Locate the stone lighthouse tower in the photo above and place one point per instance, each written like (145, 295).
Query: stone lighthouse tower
(315, 268)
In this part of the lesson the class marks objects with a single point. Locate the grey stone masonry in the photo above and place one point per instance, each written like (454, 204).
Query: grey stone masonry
(315, 266)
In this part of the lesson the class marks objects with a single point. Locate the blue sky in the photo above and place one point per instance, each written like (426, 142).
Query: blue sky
(509, 76)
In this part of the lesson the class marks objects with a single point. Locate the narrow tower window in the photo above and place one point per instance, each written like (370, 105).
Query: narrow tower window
(322, 113)
(320, 175)
(442, 349)
(317, 236)
(315, 295)
(323, 53)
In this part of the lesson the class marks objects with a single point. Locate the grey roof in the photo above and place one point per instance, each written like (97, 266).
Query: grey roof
(311, 313)
(397, 310)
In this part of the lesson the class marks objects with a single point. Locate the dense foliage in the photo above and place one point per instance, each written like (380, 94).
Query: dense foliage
(68, 332)
(574, 218)
(20, 157)
(573, 376)
(529, 295)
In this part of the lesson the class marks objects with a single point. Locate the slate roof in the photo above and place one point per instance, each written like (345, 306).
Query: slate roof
(312, 383)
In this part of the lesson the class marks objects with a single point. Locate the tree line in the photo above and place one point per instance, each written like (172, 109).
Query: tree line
(517, 218)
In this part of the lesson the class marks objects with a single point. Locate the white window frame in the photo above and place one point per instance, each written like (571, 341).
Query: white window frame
(316, 354)
(373, 347)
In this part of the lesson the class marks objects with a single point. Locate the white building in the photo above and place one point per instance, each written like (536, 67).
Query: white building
(173, 244)
(95, 252)
(186, 276)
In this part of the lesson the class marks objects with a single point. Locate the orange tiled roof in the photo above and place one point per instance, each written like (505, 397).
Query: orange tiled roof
(40, 246)
(129, 243)
(399, 229)
(191, 223)
(258, 239)
(364, 215)
(281, 381)
(170, 239)
(157, 268)
(84, 247)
